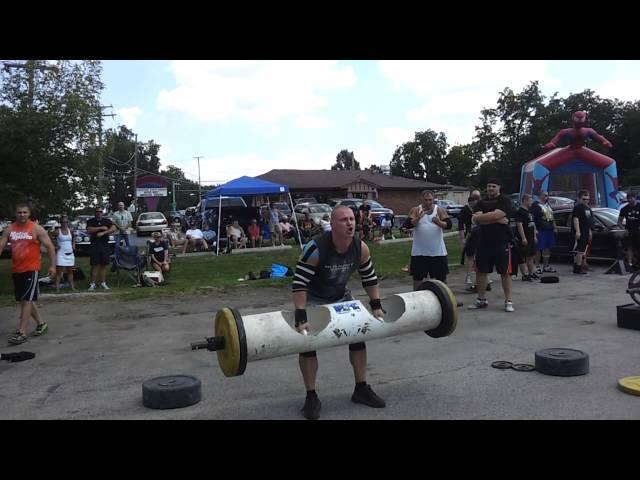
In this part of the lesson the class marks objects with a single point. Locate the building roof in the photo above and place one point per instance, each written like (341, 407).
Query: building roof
(333, 179)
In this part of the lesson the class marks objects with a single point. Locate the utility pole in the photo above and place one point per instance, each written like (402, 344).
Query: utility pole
(199, 184)
(100, 153)
(174, 205)
(31, 66)
(135, 173)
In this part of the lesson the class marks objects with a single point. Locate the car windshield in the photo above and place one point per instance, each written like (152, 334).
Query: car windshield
(319, 209)
(151, 216)
(608, 216)
(374, 204)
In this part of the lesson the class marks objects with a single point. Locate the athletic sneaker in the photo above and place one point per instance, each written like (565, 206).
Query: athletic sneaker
(92, 287)
(539, 270)
(579, 271)
(104, 286)
(527, 278)
(17, 338)
(41, 329)
(312, 405)
(534, 276)
(365, 395)
(508, 306)
(480, 303)
(548, 269)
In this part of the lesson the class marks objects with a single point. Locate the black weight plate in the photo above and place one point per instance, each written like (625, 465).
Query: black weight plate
(562, 362)
(523, 367)
(171, 391)
(501, 364)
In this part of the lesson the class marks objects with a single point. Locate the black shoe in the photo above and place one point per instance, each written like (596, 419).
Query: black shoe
(312, 405)
(527, 278)
(365, 395)
(488, 289)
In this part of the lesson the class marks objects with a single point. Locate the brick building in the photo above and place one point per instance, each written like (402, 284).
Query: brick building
(397, 193)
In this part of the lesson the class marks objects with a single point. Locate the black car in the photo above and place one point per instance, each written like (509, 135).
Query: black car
(605, 233)
(175, 216)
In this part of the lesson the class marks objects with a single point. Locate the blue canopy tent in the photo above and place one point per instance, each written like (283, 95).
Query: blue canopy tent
(247, 186)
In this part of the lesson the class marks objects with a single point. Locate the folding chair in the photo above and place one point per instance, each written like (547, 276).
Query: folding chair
(129, 260)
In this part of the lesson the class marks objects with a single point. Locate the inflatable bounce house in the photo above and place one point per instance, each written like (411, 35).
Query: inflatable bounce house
(563, 171)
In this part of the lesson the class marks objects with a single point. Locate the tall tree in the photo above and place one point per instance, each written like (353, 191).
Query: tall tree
(48, 125)
(424, 158)
(346, 160)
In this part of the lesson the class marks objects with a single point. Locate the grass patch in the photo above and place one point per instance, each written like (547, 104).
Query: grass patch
(203, 274)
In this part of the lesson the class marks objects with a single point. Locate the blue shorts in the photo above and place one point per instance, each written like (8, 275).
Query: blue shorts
(546, 239)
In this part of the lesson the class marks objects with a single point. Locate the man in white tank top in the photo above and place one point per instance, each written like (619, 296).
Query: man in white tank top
(428, 252)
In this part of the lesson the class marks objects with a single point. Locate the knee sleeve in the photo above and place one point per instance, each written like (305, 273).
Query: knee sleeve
(311, 354)
(356, 347)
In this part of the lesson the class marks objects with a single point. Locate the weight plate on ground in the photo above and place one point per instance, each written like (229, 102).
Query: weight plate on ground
(501, 364)
(630, 385)
(562, 362)
(523, 367)
(171, 391)
(549, 279)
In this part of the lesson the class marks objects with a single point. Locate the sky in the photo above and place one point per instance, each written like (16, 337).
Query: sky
(248, 117)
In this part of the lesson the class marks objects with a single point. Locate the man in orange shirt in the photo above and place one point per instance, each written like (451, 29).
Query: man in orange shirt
(25, 237)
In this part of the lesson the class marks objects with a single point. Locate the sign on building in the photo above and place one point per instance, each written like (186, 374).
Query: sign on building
(151, 192)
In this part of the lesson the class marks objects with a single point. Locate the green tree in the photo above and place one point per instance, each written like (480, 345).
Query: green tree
(346, 160)
(424, 158)
(48, 125)
(462, 161)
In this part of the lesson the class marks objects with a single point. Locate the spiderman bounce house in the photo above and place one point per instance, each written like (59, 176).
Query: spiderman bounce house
(566, 170)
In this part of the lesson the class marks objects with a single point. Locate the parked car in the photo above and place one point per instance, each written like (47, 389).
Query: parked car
(452, 208)
(299, 201)
(6, 252)
(377, 210)
(149, 222)
(561, 203)
(283, 207)
(315, 210)
(81, 236)
(604, 243)
(176, 216)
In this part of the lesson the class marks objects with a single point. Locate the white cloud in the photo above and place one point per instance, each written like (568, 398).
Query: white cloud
(362, 118)
(395, 136)
(627, 89)
(257, 91)
(454, 92)
(224, 168)
(311, 121)
(129, 115)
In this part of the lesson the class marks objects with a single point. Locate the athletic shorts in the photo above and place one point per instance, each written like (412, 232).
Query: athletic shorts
(99, 255)
(498, 256)
(25, 286)
(583, 245)
(546, 239)
(423, 266)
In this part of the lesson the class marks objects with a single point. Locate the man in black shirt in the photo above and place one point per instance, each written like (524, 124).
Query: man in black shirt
(582, 231)
(468, 236)
(493, 249)
(526, 239)
(99, 229)
(321, 276)
(631, 214)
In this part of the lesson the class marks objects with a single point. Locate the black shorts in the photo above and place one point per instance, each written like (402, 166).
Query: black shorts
(25, 286)
(470, 244)
(632, 240)
(435, 267)
(99, 255)
(498, 256)
(582, 245)
(525, 252)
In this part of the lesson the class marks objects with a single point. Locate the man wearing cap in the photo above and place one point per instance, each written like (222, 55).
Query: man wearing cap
(99, 229)
(493, 248)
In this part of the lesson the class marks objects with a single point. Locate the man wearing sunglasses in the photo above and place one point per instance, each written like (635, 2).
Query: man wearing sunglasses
(582, 231)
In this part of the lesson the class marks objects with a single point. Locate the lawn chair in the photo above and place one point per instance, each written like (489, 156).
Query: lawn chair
(129, 260)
